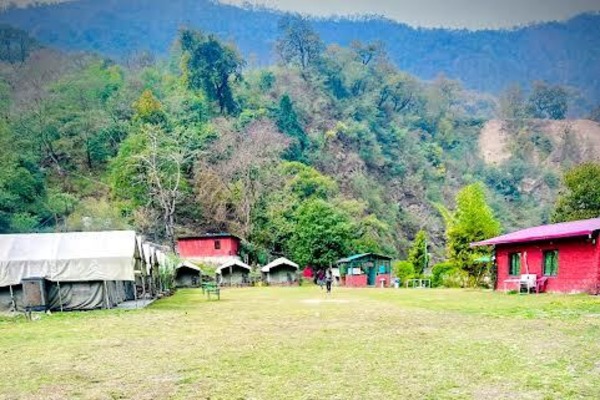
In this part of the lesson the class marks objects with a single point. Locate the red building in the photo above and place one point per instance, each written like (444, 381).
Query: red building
(565, 256)
(216, 248)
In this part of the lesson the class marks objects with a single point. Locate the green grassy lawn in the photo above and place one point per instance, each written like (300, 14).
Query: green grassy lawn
(294, 343)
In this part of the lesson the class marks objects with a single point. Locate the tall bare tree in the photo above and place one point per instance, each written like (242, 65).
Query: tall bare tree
(163, 163)
(229, 187)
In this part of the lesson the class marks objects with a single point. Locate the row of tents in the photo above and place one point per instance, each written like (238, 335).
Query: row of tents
(237, 273)
(90, 270)
(77, 270)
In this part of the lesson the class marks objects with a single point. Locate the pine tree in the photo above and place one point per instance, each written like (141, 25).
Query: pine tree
(417, 255)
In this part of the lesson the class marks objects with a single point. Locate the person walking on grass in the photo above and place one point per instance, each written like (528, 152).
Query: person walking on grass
(329, 280)
(321, 278)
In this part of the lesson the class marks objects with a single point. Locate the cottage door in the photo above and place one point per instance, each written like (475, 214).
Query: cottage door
(371, 276)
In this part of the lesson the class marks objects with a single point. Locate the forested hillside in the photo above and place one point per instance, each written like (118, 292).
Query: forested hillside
(561, 53)
(334, 142)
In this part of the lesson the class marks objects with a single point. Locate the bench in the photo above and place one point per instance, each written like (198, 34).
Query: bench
(211, 288)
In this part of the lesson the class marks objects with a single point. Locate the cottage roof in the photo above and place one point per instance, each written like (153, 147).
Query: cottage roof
(73, 256)
(233, 263)
(546, 232)
(188, 265)
(359, 256)
(278, 262)
(220, 235)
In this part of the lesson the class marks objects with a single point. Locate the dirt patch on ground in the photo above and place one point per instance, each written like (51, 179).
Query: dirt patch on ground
(577, 139)
(327, 300)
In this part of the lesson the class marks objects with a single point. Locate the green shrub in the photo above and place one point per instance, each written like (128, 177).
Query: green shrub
(438, 271)
(448, 275)
(404, 270)
(456, 278)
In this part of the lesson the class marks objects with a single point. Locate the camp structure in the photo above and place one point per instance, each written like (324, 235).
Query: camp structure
(154, 257)
(187, 275)
(280, 272)
(561, 258)
(233, 273)
(209, 249)
(367, 269)
(68, 271)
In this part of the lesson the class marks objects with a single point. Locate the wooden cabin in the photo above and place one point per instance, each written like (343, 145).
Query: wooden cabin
(362, 270)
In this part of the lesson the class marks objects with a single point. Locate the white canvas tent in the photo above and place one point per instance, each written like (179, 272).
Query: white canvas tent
(187, 275)
(234, 272)
(84, 270)
(280, 272)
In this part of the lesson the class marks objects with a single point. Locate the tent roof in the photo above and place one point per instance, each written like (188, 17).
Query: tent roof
(189, 265)
(233, 263)
(546, 232)
(73, 256)
(359, 256)
(278, 262)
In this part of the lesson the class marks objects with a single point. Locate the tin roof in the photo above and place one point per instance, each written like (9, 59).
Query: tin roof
(358, 256)
(210, 236)
(546, 232)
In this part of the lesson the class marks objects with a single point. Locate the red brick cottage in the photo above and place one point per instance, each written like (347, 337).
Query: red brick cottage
(565, 256)
(214, 248)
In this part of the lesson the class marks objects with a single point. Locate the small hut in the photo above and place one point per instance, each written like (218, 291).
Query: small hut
(280, 272)
(233, 273)
(368, 269)
(187, 275)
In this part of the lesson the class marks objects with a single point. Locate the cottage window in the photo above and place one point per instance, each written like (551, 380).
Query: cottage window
(217, 244)
(551, 262)
(514, 264)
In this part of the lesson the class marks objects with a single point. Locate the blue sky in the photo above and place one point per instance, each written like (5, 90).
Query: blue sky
(471, 14)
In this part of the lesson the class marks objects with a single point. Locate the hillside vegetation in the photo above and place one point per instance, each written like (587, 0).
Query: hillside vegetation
(565, 53)
(333, 143)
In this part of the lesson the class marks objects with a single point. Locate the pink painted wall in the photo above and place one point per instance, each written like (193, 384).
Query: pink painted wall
(361, 280)
(205, 247)
(578, 264)
(356, 280)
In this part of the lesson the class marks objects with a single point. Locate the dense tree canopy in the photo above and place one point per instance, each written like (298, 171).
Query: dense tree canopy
(298, 42)
(210, 66)
(347, 155)
(548, 101)
(581, 196)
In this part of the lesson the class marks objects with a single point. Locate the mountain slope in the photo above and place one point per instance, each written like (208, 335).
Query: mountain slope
(566, 53)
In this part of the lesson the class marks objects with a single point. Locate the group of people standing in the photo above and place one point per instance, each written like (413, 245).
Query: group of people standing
(325, 277)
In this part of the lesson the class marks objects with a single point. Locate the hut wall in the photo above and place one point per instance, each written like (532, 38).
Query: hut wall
(74, 295)
(387, 278)
(187, 278)
(6, 301)
(282, 275)
(356, 280)
(578, 264)
(239, 276)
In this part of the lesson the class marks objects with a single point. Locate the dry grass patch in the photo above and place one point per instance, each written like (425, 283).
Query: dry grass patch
(295, 343)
